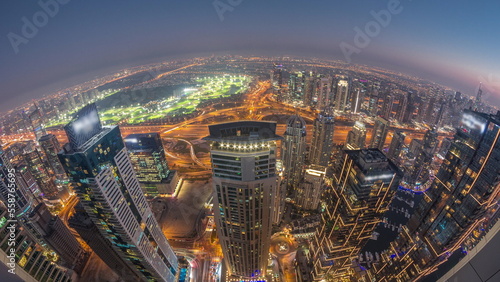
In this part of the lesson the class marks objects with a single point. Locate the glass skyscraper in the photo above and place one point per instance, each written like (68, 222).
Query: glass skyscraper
(102, 175)
(149, 161)
(455, 206)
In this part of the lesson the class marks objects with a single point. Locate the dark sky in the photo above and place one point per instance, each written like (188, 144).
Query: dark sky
(455, 43)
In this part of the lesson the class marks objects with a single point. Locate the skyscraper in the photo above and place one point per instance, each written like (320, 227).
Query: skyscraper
(356, 138)
(341, 95)
(397, 143)
(324, 91)
(294, 150)
(57, 235)
(46, 181)
(322, 139)
(309, 89)
(277, 76)
(309, 191)
(149, 161)
(33, 263)
(387, 106)
(454, 207)
(364, 182)
(36, 121)
(243, 158)
(101, 172)
(51, 148)
(379, 134)
(357, 100)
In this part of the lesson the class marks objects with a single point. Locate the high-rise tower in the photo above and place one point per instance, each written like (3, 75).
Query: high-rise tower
(322, 139)
(244, 176)
(51, 148)
(356, 138)
(364, 182)
(379, 134)
(341, 95)
(149, 161)
(398, 140)
(294, 150)
(102, 175)
(455, 206)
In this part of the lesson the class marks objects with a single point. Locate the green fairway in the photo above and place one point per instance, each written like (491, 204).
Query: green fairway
(207, 88)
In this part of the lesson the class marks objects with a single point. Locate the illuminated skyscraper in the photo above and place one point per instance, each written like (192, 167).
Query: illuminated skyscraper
(244, 176)
(397, 143)
(33, 263)
(309, 89)
(387, 106)
(357, 100)
(13, 187)
(322, 140)
(51, 148)
(454, 207)
(149, 161)
(379, 134)
(103, 177)
(324, 93)
(57, 235)
(364, 182)
(310, 189)
(38, 168)
(341, 95)
(277, 76)
(294, 150)
(36, 121)
(356, 138)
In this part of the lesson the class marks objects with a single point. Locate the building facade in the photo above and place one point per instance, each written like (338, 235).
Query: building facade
(379, 134)
(243, 158)
(103, 177)
(294, 151)
(322, 139)
(149, 161)
(364, 182)
(454, 208)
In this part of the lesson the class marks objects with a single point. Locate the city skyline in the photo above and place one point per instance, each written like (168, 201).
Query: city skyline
(249, 141)
(455, 52)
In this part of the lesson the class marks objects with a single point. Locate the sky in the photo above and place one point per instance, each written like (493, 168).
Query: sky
(50, 44)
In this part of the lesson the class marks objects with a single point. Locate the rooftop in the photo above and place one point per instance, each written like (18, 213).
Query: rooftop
(243, 131)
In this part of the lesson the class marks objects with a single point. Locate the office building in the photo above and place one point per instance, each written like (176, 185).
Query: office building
(455, 207)
(103, 177)
(308, 192)
(294, 151)
(379, 134)
(101, 246)
(309, 90)
(51, 148)
(57, 235)
(243, 158)
(364, 182)
(341, 95)
(322, 139)
(324, 93)
(33, 263)
(357, 100)
(37, 124)
(397, 143)
(38, 168)
(150, 163)
(356, 137)
(13, 187)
